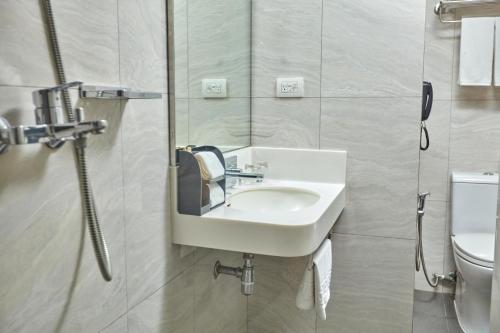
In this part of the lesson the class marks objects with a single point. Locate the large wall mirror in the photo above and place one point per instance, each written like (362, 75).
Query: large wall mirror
(212, 43)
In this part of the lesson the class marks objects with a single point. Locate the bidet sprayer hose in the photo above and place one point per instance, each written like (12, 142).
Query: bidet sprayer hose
(89, 206)
(419, 249)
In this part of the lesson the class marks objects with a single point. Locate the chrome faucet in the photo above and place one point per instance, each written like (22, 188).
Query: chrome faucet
(50, 125)
(238, 173)
(232, 171)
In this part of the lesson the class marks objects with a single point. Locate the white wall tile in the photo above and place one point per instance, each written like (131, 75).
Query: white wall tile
(219, 122)
(286, 43)
(219, 44)
(89, 42)
(143, 45)
(372, 48)
(475, 133)
(381, 138)
(286, 122)
(24, 56)
(170, 309)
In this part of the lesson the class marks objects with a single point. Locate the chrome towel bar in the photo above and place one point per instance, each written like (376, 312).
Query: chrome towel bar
(444, 7)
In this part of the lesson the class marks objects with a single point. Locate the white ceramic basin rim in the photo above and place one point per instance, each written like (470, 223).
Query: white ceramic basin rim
(273, 199)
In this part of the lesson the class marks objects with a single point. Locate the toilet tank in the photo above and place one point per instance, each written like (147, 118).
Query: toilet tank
(473, 202)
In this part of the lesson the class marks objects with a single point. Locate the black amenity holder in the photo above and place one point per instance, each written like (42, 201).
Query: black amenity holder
(193, 194)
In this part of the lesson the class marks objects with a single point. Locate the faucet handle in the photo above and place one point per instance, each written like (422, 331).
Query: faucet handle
(263, 164)
(48, 103)
(257, 166)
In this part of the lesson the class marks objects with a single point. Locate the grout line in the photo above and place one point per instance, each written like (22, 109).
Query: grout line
(160, 287)
(450, 110)
(114, 321)
(118, 41)
(419, 164)
(188, 78)
(341, 97)
(251, 81)
(122, 107)
(124, 220)
(372, 236)
(321, 76)
(3, 85)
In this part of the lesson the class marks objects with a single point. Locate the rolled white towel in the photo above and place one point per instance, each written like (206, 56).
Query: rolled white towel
(216, 194)
(210, 165)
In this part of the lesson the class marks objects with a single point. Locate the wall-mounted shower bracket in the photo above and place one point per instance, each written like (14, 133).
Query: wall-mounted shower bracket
(98, 92)
(245, 273)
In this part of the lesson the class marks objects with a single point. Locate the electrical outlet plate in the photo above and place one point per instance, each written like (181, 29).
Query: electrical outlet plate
(214, 88)
(290, 87)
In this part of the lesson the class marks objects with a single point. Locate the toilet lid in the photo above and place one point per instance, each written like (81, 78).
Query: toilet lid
(480, 246)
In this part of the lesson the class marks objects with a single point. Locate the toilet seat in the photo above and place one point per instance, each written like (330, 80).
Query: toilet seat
(477, 248)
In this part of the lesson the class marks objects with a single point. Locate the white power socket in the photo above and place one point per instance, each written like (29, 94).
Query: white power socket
(290, 87)
(214, 88)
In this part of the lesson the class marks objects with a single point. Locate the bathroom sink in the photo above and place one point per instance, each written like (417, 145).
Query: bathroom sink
(288, 214)
(272, 199)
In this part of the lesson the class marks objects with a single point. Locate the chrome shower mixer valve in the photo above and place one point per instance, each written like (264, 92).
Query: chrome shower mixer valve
(50, 127)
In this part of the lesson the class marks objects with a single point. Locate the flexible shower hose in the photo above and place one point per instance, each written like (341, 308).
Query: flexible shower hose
(89, 206)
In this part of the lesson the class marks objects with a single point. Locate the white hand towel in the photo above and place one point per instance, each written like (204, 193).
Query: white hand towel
(322, 260)
(216, 194)
(476, 51)
(305, 295)
(314, 290)
(210, 165)
(497, 52)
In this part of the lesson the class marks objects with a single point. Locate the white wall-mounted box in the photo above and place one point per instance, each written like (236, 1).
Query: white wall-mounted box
(290, 87)
(214, 88)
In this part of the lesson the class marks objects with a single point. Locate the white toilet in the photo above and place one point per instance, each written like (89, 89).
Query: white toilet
(473, 220)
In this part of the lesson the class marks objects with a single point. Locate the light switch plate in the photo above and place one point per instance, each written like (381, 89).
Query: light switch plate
(290, 87)
(214, 88)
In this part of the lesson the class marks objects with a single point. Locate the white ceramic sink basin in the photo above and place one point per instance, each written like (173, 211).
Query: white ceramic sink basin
(272, 199)
(289, 214)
